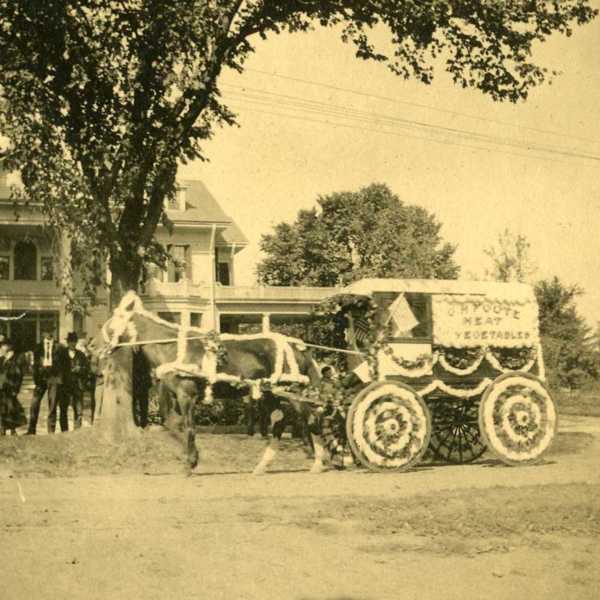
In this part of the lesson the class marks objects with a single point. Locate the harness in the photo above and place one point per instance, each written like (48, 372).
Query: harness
(122, 323)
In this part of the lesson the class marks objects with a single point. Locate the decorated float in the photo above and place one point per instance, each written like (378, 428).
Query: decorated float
(452, 367)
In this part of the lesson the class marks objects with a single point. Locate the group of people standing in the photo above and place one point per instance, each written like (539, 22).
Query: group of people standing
(62, 372)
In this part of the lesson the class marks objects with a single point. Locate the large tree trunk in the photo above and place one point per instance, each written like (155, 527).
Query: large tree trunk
(116, 419)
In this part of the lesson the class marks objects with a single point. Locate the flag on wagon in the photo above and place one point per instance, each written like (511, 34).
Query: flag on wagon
(361, 330)
(363, 372)
(402, 317)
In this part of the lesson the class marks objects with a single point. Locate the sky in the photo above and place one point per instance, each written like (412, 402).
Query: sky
(289, 150)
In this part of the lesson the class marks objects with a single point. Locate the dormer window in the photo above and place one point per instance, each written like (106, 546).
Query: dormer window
(177, 202)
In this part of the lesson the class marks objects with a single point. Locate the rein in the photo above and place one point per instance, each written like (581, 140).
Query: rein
(161, 341)
(332, 349)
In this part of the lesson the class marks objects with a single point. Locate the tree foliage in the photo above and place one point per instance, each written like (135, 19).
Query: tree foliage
(101, 100)
(510, 258)
(352, 235)
(568, 352)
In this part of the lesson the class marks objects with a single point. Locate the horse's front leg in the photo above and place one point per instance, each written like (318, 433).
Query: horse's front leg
(267, 457)
(277, 427)
(314, 420)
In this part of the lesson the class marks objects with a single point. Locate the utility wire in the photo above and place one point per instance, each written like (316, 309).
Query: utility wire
(419, 105)
(320, 108)
(396, 134)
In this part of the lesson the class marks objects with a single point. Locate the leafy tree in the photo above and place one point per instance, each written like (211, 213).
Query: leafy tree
(102, 99)
(510, 259)
(368, 233)
(568, 350)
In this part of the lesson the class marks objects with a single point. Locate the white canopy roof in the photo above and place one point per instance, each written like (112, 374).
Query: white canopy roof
(509, 291)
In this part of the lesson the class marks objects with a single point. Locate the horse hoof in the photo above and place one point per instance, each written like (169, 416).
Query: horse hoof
(316, 469)
(259, 471)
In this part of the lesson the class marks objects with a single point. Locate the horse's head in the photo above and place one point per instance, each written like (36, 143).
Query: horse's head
(120, 327)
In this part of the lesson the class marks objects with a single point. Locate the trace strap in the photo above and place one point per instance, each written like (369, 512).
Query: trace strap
(161, 341)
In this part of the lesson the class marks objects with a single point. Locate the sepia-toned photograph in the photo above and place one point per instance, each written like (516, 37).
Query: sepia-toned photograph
(300, 299)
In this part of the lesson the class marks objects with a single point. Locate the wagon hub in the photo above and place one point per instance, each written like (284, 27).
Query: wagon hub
(522, 418)
(391, 427)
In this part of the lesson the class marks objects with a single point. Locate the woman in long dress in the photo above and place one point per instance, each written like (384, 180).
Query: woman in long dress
(12, 414)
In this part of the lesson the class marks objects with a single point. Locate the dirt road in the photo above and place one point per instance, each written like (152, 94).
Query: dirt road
(348, 535)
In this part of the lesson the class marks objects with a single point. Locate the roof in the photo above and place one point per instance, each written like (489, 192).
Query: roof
(201, 207)
(513, 290)
(232, 235)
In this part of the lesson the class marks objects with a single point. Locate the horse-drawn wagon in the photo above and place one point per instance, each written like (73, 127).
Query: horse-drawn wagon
(455, 367)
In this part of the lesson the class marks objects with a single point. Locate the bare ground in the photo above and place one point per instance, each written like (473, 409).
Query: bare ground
(82, 519)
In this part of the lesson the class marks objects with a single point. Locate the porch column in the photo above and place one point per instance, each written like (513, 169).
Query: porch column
(185, 318)
(266, 322)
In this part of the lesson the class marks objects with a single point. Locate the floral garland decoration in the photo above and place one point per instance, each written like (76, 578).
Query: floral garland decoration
(512, 359)
(419, 363)
(338, 310)
(441, 359)
(460, 358)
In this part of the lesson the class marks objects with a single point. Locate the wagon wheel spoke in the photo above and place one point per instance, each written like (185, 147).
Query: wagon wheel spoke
(455, 437)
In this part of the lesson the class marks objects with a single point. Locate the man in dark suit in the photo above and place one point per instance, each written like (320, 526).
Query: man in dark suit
(48, 367)
(76, 375)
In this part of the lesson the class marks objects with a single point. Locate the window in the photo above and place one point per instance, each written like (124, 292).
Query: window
(4, 267)
(25, 261)
(26, 330)
(177, 202)
(78, 324)
(173, 203)
(180, 266)
(413, 316)
(223, 273)
(47, 268)
(196, 319)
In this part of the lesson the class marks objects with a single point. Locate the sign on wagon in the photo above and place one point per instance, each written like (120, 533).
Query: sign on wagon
(463, 321)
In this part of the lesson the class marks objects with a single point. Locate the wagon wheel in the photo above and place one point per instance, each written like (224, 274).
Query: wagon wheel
(517, 418)
(455, 437)
(388, 427)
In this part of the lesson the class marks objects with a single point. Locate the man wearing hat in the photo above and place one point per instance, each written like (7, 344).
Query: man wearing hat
(48, 366)
(76, 376)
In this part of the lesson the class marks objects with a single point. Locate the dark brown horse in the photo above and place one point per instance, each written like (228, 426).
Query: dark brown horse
(189, 361)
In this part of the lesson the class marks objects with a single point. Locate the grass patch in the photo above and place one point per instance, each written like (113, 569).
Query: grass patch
(581, 403)
(83, 452)
(571, 442)
(572, 509)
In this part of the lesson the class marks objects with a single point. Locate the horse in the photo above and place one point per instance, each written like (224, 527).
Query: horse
(189, 361)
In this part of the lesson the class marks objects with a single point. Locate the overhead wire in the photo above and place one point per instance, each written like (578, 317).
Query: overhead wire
(319, 107)
(397, 100)
(396, 134)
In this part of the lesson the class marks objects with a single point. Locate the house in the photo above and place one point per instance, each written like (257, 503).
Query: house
(198, 287)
